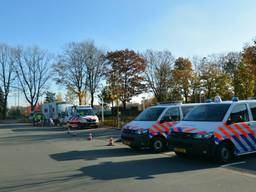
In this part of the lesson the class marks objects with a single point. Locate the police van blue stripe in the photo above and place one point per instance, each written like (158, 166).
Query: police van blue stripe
(252, 137)
(179, 129)
(248, 142)
(240, 143)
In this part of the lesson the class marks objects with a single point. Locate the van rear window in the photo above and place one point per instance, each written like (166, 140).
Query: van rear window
(186, 109)
(150, 114)
(208, 112)
(253, 110)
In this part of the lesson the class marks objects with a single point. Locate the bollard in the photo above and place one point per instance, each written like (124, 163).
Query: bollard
(89, 137)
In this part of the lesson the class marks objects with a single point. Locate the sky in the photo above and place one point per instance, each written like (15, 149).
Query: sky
(185, 27)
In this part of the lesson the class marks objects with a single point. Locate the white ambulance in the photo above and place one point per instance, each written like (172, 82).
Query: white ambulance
(55, 111)
(151, 128)
(219, 129)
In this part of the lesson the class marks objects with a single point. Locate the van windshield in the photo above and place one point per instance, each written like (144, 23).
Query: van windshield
(85, 112)
(150, 114)
(208, 112)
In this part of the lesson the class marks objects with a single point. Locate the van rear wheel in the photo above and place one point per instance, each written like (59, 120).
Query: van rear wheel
(158, 144)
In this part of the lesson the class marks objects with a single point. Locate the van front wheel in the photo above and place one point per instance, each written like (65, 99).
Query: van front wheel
(158, 145)
(225, 153)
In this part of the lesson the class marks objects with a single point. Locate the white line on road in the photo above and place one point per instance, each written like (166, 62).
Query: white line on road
(231, 164)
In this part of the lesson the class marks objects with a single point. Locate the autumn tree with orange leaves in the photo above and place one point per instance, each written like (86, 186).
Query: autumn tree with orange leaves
(125, 77)
(249, 60)
(182, 75)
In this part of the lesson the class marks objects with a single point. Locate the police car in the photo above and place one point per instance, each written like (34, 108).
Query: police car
(221, 130)
(152, 127)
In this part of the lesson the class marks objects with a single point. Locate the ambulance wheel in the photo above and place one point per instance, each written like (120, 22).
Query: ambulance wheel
(182, 155)
(158, 144)
(133, 147)
(225, 152)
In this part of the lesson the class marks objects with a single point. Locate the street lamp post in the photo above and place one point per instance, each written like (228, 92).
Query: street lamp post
(102, 110)
(118, 113)
(143, 103)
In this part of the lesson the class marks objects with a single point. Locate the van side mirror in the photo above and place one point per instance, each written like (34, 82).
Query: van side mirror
(229, 122)
(165, 119)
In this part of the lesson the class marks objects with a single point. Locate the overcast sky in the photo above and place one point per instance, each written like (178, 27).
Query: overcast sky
(185, 27)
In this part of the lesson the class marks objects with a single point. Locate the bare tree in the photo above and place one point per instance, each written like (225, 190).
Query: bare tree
(71, 69)
(158, 72)
(6, 73)
(32, 69)
(95, 66)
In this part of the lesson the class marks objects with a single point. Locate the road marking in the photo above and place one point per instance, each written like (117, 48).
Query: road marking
(227, 168)
(239, 172)
(231, 164)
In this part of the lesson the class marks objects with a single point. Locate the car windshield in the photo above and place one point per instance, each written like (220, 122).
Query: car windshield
(150, 114)
(84, 112)
(208, 112)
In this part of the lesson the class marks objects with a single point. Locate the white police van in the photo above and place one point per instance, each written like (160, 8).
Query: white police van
(152, 127)
(81, 117)
(220, 129)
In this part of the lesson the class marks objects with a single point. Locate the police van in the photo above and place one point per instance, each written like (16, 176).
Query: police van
(81, 117)
(220, 129)
(151, 128)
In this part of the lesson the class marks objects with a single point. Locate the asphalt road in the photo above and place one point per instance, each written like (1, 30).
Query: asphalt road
(48, 159)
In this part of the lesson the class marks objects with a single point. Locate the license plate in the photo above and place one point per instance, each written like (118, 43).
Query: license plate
(180, 150)
(127, 142)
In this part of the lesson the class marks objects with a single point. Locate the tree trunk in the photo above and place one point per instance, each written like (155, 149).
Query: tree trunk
(254, 88)
(32, 107)
(92, 99)
(124, 105)
(80, 98)
(112, 105)
(186, 98)
(4, 108)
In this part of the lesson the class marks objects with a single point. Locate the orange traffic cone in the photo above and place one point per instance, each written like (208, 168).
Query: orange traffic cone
(111, 142)
(90, 137)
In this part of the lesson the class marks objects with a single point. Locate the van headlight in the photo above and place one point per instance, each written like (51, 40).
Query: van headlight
(203, 135)
(141, 131)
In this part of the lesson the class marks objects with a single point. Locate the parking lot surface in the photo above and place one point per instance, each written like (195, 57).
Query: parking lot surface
(49, 159)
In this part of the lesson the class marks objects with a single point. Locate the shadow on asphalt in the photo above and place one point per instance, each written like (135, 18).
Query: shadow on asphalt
(95, 154)
(48, 134)
(144, 169)
(40, 129)
(28, 139)
(139, 169)
(15, 125)
(147, 168)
